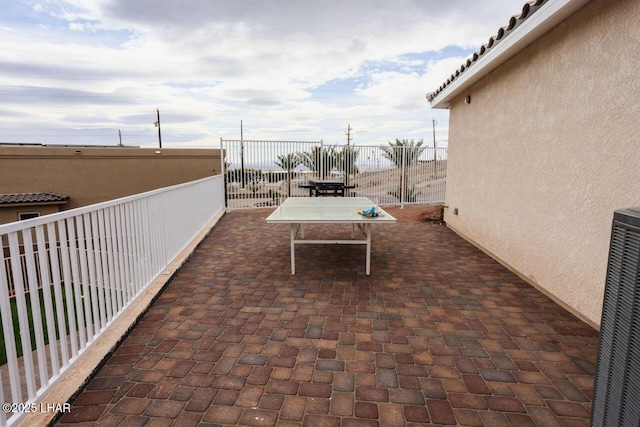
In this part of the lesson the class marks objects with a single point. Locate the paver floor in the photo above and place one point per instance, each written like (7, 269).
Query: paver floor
(438, 334)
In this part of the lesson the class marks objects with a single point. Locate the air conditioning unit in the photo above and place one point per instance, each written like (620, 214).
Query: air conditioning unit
(616, 392)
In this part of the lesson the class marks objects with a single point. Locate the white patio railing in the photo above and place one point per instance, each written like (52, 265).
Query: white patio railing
(64, 278)
(264, 173)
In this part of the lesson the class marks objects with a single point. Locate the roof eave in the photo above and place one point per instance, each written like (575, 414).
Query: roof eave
(33, 203)
(550, 14)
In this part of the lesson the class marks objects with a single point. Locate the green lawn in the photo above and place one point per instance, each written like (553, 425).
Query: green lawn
(16, 328)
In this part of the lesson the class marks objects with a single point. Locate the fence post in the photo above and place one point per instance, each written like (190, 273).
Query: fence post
(223, 170)
(402, 176)
(321, 156)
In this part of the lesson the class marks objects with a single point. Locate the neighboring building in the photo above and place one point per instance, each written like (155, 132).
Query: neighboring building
(21, 206)
(544, 144)
(89, 175)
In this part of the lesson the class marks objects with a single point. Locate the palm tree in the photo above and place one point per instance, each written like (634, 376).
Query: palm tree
(320, 160)
(403, 153)
(347, 158)
(288, 162)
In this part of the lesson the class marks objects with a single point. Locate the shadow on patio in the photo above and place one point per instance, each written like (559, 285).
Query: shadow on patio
(439, 333)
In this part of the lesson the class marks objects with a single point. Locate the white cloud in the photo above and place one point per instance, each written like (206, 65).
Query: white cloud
(301, 68)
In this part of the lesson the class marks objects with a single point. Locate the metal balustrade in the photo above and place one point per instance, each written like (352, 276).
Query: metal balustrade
(64, 278)
(264, 173)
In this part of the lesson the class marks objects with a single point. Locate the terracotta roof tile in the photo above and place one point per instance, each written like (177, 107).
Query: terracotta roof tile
(45, 197)
(528, 9)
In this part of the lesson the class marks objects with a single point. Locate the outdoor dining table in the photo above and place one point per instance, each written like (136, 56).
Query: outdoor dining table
(326, 187)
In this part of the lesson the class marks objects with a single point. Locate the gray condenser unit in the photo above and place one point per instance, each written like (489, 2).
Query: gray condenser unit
(616, 394)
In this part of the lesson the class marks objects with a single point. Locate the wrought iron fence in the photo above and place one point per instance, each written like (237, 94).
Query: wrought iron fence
(264, 173)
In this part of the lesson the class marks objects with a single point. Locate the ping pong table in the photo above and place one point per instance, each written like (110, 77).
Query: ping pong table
(298, 211)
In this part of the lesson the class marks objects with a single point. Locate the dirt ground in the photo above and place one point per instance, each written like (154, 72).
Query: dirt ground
(412, 213)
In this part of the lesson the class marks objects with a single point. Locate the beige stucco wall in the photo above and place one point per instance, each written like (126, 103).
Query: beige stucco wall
(91, 175)
(12, 213)
(548, 148)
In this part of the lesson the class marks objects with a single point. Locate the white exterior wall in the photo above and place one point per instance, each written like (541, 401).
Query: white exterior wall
(548, 148)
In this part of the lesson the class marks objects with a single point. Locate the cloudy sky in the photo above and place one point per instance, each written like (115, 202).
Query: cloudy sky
(78, 71)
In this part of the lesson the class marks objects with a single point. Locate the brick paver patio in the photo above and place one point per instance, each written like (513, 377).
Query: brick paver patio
(438, 334)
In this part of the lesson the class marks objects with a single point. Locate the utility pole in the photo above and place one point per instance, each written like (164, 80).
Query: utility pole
(241, 155)
(434, 142)
(157, 124)
(348, 133)
(348, 158)
(120, 137)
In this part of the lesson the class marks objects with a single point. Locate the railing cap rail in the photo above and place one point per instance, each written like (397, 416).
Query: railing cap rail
(46, 219)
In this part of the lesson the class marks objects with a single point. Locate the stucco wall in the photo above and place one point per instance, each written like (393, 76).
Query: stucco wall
(548, 148)
(91, 175)
(12, 213)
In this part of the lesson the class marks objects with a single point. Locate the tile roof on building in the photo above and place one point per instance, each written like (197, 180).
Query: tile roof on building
(44, 197)
(528, 10)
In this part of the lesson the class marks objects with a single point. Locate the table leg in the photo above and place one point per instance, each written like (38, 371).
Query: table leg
(368, 232)
(294, 231)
